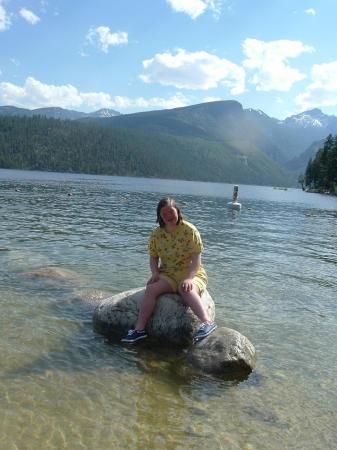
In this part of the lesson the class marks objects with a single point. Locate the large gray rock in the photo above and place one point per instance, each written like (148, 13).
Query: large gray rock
(222, 352)
(171, 322)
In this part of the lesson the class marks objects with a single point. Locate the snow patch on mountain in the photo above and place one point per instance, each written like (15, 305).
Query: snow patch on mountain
(105, 112)
(310, 119)
(257, 111)
(306, 121)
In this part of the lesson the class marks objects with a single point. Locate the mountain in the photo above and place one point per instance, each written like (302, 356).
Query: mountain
(281, 140)
(300, 162)
(221, 121)
(304, 129)
(296, 133)
(269, 127)
(92, 146)
(227, 121)
(250, 134)
(313, 119)
(14, 111)
(104, 112)
(55, 113)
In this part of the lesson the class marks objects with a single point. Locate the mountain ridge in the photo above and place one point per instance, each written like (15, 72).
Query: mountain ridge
(55, 112)
(39, 143)
(284, 141)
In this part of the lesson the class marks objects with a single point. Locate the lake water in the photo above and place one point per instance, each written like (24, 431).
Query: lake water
(272, 271)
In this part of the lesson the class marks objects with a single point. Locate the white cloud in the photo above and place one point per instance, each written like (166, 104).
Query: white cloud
(323, 89)
(211, 99)
(5, 21)
(29, 16)
(198, 70)
(269, 63)
(106, 38)
(175, 101)
(194, 8)
(310, 11)
(215, 6)
(34, 94)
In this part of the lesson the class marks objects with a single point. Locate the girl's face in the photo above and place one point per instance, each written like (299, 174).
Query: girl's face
(169, 214)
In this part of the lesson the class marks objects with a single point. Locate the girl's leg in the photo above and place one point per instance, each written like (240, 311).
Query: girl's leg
(148, 302)
(193, 300)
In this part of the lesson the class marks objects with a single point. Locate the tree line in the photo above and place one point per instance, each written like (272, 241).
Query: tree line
(40, 143)
(321, 171)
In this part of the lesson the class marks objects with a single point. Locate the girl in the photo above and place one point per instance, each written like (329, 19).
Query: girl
(175, 260)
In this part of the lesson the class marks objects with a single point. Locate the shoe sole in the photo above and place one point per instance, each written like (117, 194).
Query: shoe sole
(127, 341)
(199, 338)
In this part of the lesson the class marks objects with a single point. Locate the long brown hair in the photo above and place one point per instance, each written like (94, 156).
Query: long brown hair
(167, 201)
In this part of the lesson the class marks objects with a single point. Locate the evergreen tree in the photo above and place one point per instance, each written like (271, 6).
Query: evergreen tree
(321, 172)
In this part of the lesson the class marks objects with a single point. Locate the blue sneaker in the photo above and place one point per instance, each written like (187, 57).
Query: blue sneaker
(134, 336)
(204, 330)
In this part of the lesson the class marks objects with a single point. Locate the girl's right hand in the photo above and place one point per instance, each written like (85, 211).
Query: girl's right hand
(153, 278)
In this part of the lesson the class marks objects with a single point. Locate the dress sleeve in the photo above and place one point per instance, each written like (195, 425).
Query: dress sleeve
(152, 247)
(198, 246)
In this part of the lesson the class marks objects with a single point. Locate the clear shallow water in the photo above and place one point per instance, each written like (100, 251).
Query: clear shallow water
(272, 273)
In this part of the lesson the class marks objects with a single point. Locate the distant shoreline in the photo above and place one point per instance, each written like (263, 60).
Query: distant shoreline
(319, 191)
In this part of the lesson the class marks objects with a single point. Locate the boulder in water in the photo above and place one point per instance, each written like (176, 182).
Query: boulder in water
(225, 351)
(57, 273)
(172, 322)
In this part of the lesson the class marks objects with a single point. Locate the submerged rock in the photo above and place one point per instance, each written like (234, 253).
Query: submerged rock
(171, 322)
(23, 260)
(91, 298)
(224, 351)
(53, 272)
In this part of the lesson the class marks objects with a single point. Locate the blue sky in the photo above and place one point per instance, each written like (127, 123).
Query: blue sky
(135, 55)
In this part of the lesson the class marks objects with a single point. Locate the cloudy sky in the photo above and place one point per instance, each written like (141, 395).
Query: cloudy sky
(134, 55)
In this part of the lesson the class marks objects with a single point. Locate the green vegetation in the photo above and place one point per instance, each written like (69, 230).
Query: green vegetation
(321, 172)
(40, 143)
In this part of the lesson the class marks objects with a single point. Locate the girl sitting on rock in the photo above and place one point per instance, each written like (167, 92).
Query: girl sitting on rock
(175, 260)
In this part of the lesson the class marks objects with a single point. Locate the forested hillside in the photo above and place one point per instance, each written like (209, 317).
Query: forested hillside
(39, 143)
(321, 172)
(224, 121)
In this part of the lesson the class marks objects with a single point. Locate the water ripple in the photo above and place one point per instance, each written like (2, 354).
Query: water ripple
(272, 271)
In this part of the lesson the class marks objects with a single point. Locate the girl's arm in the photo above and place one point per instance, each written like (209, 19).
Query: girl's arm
(195, 264)
(154, 266)
(187, 284)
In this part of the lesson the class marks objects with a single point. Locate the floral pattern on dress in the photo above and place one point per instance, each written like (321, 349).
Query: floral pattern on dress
(175, 249)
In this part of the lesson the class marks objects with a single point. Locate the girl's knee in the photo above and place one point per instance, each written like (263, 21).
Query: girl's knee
(156, 289)
(150, 290)
(188, 295)
(181, 291)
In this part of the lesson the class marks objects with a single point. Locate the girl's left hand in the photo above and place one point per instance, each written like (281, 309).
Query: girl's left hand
(187, 285)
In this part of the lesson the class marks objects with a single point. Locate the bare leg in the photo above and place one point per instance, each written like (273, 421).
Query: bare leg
(193, 300)
(148, 302)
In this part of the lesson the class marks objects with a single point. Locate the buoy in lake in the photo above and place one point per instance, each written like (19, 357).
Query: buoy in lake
(234, 204)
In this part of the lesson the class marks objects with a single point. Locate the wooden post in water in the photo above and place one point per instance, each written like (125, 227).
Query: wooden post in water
(235, 193)
(234, 204)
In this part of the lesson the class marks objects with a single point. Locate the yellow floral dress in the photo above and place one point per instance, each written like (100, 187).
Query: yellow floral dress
(175, 250)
